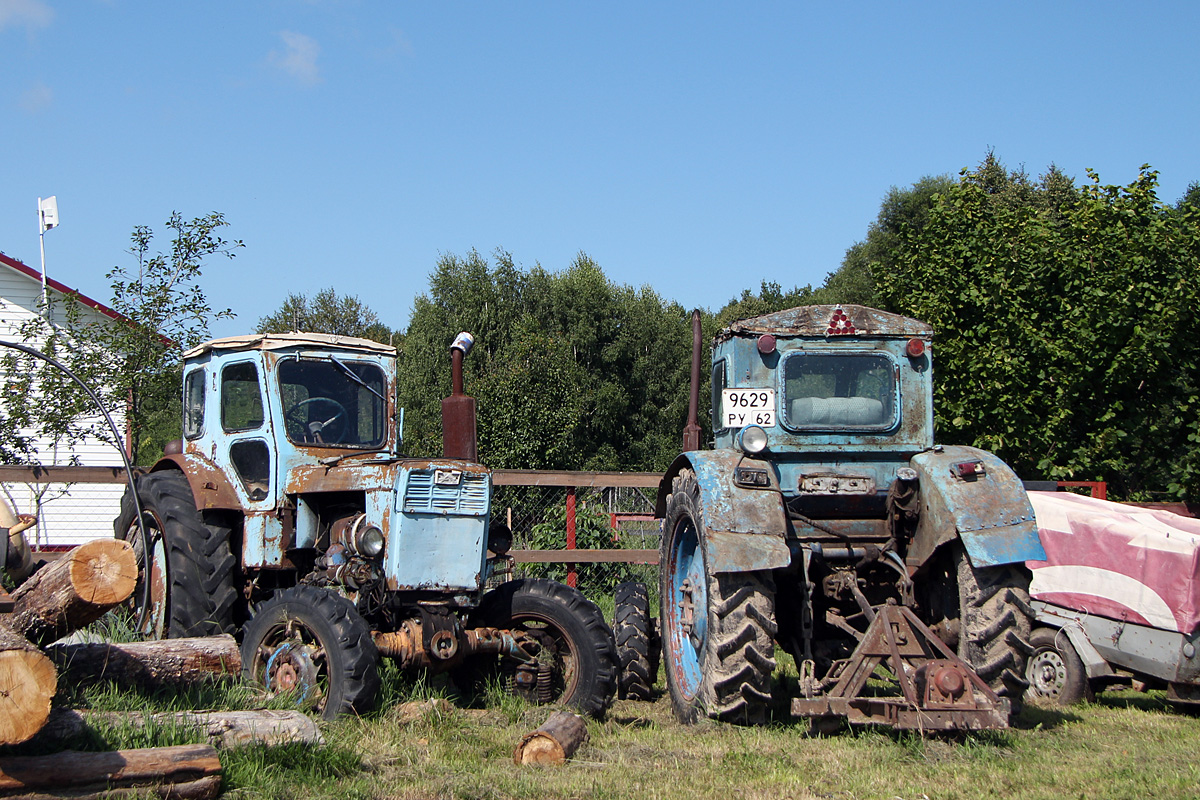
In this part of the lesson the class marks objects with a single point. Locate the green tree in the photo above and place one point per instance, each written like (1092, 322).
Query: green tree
(570, 370)
(327, 312)
(1065, 324)
(871, 262)
(133, 361)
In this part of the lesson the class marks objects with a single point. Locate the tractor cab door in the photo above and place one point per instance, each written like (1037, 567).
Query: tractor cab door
(246, 454)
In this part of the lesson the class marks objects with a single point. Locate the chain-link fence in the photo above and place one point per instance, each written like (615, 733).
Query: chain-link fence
(614, 525)
(609, 516)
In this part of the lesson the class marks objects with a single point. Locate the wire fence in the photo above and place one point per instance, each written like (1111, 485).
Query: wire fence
(591, 530)
(592, 537)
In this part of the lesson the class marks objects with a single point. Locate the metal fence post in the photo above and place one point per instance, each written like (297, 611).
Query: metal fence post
(572, 578)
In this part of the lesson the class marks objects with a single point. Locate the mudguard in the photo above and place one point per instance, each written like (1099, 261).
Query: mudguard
(743, 529)
(985, 506)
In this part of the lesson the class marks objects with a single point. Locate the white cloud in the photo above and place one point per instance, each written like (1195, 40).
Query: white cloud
(37, 98)
(299, 59)
(30, 13)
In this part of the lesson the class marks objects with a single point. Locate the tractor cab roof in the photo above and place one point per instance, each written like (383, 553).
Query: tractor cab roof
(285, 341)
(828, 321)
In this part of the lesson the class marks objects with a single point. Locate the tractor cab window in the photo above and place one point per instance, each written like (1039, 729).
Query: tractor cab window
(840, 391)
(193, 403)
(241, 398)
(333, 402)
(718, 383)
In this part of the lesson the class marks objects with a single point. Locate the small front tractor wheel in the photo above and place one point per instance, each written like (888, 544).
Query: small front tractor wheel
(190, 565)
(314, 643)
(577, 657)
(633, 628)
(718, 630)
(1055, 671)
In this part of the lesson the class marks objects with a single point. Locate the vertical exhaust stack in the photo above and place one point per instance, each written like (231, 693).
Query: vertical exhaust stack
(691, 431)
(458, 410)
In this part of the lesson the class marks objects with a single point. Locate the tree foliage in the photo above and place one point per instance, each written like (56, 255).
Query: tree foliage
(327, 312)
(132, 362)
(1066, 324)
(570, 370)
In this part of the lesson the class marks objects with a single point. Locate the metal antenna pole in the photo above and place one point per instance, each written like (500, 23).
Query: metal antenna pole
(42, 243)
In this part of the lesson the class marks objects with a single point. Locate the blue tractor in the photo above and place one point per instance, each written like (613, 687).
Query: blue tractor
(827, 522)
(288, 515)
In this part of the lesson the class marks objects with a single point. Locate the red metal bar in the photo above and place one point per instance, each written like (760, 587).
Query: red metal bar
(572, 576)
(1099, 489)
(585, 556)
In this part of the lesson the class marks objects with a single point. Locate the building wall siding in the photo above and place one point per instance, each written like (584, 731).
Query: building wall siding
(67, 514)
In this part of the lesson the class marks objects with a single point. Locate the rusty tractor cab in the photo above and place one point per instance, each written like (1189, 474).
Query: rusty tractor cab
(288, 516)
(826, 520)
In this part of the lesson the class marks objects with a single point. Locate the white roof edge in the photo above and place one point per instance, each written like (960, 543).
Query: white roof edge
(280, 341)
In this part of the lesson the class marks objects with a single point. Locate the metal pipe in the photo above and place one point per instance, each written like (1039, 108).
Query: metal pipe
(691, 431)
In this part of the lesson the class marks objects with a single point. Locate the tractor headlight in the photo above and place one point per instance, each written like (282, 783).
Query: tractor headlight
(752, 440)
(368, 540)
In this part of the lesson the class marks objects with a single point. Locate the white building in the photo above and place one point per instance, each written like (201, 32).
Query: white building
(67, 514)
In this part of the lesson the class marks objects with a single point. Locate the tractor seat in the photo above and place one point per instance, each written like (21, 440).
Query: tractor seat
(836, 411)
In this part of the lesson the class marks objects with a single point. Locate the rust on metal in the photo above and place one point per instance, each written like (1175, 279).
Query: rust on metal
(584, 556)
(939, 692)
(210, 488)
(823, 321)
(691, 431)
(536, 477)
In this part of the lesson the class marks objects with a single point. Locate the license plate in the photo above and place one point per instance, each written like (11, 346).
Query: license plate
(742, 407)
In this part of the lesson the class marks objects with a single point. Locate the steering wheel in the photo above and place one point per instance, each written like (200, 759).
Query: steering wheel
(319, 431)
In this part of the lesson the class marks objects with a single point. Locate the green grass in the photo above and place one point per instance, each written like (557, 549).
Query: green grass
(1126, 745)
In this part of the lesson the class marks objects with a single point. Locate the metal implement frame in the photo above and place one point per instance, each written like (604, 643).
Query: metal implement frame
(939, 691)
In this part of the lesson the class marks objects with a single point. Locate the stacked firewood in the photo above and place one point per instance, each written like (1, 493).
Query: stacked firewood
(64, 596)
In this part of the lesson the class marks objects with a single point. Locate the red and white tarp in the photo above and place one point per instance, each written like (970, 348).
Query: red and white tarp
(1123, 562)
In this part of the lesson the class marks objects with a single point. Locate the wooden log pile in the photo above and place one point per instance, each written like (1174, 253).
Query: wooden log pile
(64, 596)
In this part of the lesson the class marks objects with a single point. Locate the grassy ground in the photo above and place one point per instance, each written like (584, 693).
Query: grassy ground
(1126, 745)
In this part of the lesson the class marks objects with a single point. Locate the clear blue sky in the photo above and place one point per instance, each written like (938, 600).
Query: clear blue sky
(696, 147)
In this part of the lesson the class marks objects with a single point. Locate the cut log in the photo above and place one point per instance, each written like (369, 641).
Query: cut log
(27, 683)
(554, 742)
(75, 591)
(190, 770)
(151, 665)
(203, 789)
(223, 728)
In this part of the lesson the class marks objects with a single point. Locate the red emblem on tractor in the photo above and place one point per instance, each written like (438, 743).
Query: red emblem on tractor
(840, 324)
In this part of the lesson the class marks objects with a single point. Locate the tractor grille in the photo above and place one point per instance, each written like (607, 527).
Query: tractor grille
(425, 495)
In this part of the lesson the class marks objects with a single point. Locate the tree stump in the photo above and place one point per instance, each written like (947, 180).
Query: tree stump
(27, 683)
(554, 742)
(74, 591)
(151, 665)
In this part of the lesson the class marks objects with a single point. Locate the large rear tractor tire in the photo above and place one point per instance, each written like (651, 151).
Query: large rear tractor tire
(190, 566)
(718, 630)
(1055, 671)
(575, 644)
(991, 624)
(633, 628)
(314, 643)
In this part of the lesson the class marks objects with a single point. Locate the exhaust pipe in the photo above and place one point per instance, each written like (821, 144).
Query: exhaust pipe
(691, 431)
(458, 410)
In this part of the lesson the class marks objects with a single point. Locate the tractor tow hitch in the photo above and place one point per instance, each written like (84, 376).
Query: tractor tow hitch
(939, 692)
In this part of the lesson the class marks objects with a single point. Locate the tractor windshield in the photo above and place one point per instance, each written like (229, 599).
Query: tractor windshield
(331, 402)
(828, 391)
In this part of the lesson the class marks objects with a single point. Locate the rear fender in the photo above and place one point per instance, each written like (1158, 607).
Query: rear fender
(210, 488)
(990, 511)
(743, 529)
